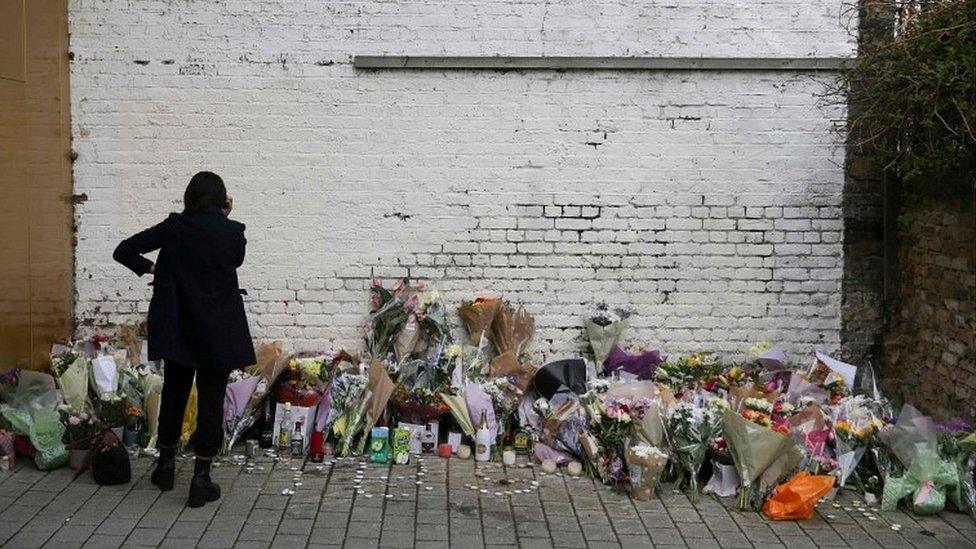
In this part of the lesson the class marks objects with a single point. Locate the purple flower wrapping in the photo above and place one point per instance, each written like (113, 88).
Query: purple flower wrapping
(641, 364)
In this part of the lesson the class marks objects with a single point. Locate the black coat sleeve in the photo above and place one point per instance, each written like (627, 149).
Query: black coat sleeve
(240, 251)
(129, 251)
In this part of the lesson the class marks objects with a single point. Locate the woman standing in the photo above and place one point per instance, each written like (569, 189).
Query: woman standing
(196, 321)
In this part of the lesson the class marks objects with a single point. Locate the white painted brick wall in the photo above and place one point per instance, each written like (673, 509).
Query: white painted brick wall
(709, 200)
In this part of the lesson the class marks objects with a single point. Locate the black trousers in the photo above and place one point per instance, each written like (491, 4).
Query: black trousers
(211, 388)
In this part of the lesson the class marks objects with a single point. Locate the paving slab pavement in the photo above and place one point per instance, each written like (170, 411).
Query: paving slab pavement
(429, 503)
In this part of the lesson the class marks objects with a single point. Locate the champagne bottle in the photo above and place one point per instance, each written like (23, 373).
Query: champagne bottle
(482, 439)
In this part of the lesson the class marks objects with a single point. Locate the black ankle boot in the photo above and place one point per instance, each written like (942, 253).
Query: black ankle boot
(202, 489)
(165, 470)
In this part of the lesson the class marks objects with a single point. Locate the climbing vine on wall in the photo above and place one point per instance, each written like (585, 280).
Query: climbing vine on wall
(913, 90)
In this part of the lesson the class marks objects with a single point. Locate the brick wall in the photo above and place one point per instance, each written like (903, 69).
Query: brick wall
(930, 340)
(709, 200)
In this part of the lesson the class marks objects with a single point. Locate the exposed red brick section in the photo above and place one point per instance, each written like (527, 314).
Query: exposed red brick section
(930, 340)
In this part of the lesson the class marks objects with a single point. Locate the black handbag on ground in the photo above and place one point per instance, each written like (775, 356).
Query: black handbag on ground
(109, 460)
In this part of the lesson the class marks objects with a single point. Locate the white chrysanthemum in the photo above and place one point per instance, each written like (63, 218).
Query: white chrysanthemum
(758, 404)
(645, 451)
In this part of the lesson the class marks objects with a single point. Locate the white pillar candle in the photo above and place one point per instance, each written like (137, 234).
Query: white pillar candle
(574, 468)
(548, 466)
(508, 457)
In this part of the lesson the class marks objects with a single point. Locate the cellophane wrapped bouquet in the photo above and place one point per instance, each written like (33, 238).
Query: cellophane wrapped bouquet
(691, 428)
(612, 424)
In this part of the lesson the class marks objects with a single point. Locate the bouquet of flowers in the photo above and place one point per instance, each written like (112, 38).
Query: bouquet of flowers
(834, 376)
(691, 429)
(757, 450)
(419, 405)
(244, 396)
(345, 392)
(511, 331)
(733, 376)
(957, 444)
(70, 369)
(132, 338)
(812, 432)
(358, 403)
(563, 432)
(458, 407)
(507, 366)
(639, 361)
(237, 395)
(111, 409)
(426, 321)
(302, 382)
(389, 313)
(688, 371)
(505, 396)
(351, 423)
(81, 428)
(477, 317)
(379, 389)
(645, 464)
(416, 398)
(927, 477)
(603, 327)
(133, 418)
(763, 412)
(855, 430)
(613, 429)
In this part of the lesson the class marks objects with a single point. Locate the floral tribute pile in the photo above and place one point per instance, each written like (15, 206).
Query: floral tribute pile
(775, 435)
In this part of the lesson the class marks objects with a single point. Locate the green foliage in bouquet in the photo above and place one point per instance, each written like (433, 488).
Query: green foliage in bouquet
(61, 362)
(111, 409)
(80, 427)
(688, 371)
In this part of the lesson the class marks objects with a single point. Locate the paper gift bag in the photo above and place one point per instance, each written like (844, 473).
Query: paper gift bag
(724, 482)
(305, 414)
(105, 372)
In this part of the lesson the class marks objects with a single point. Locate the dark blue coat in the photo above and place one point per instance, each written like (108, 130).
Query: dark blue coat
(196, 316)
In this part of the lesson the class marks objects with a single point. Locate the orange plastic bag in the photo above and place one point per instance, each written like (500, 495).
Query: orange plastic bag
(795, 498)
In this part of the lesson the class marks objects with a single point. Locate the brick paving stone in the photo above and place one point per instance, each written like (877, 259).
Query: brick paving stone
(51, 509)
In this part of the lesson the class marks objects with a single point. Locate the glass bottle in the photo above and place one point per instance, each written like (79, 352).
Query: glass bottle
(298, 441)
(482, 440)
(284, 431)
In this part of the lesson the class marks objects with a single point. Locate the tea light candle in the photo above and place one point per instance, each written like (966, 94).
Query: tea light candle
(548, 466)
(444, 450)
(574, 468)
(463, 451)
(508, 457)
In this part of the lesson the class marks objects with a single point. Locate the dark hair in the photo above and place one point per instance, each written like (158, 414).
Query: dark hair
(205, 189)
